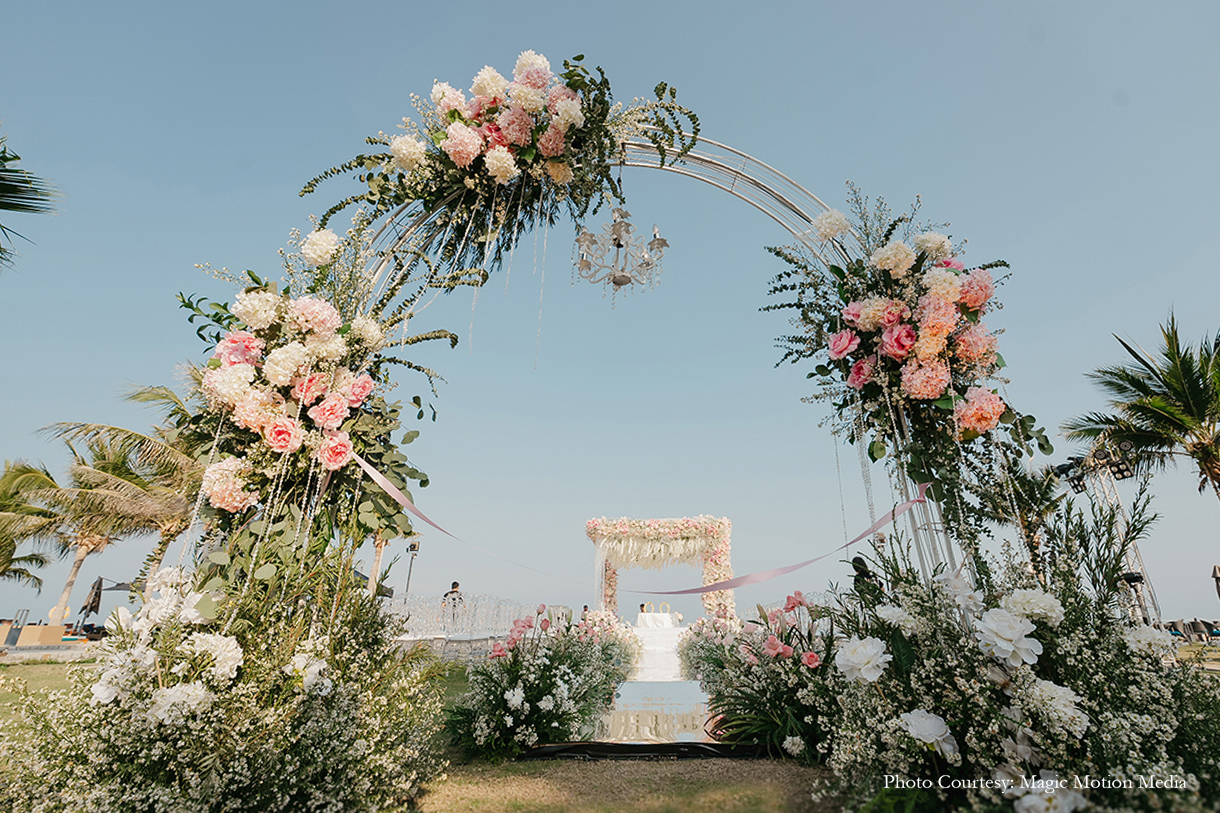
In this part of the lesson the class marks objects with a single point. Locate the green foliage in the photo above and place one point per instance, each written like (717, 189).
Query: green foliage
(20, 192)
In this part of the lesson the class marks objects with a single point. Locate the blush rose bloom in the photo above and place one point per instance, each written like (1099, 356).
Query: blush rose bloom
(811, 659)
(284, 434)
(852, 312)
(308, 389)
(331, 412)
(335, 451)
(239, 347)
(360, 389)
(862, 372)
(897, 341)
(843, 343)
(894, 312)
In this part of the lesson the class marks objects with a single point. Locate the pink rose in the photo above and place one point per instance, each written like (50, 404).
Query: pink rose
(361, 388)
(284, 434)
(239, 347)
(495, 137)
(951, 262)
(897, 341)
(335, 451)
(541, 609)
(843, 343)
(310, 388)
(331, 412)
(853, 312)
(862, 372)
(894, 312)
(811, 659)
(545, 624)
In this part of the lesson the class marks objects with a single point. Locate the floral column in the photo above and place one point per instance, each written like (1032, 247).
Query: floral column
(716, 568)
(610, 589)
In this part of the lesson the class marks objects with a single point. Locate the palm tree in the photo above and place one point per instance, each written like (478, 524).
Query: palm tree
(19, 192)
(143, 479)
(20, 569)
(1166, 406)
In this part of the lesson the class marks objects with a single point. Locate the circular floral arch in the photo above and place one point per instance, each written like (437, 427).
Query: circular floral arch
(657, 543)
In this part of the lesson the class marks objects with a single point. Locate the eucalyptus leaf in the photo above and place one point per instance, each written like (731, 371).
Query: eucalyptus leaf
(219, 557)
(265, 572)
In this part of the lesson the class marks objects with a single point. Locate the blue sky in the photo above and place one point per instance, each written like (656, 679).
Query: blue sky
(1076, 141)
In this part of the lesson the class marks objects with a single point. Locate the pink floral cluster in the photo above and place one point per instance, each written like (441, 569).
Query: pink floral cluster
(294, 395)
(926, 336)
(225, 485)
(980, 411)
(527, 120)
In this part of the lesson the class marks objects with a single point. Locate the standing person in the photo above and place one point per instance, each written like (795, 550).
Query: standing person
(452, 600)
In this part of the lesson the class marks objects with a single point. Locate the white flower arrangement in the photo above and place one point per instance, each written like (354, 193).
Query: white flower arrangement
(862, 660)
(931, 730)
(1005, 636)
(1034, 604)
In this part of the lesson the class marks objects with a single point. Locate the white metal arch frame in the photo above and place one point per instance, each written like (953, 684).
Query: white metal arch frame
(762, 186)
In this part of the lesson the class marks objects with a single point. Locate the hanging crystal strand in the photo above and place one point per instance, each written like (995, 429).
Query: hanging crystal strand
(839, 473)
(199, 501)
(865, 471)
(546, 230)
(512, 252)
(927, 558)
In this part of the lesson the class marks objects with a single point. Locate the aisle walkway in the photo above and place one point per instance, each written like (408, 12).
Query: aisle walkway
(656, 704)
(659, 661)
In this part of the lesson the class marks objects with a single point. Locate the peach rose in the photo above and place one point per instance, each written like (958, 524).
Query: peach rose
(843, 343)
(897, 341)
(310, 388)
(335, 451)
(331, 412)
(360, 389)
(284, 434)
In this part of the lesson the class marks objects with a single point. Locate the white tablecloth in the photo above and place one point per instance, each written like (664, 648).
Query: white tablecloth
(656, 620)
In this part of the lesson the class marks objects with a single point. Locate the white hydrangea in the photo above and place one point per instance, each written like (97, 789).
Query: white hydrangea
(897, 616)
(257, 309)
(188, 613)
(368, 332)
(326, 346)
(943, 283)
(935, 246)
(569, 114)
(501, 164)
(408, 152)
(1148, 641)
(1003, 635)
(559, 171)
(283, 363)
(830, 224)
(862, 660)
(794, 745)
(488, 82)
(930, 729)
(165, 578)
(895, 257)
(1034, 604)
(320, 247)
(528, 61)
(228, 385)
(440, 90)
(225, 652)
(529, 99)
(170, 704)
(159, 610)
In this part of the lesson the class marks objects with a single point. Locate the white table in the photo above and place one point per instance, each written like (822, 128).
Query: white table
(657, 620)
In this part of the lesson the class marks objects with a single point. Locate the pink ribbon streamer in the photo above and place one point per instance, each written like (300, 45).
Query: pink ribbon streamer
(765, 575)
(727, 584)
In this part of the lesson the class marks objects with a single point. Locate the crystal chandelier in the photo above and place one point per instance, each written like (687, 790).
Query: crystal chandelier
(618, 257)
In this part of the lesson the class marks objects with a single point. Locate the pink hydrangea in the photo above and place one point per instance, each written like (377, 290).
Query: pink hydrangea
(493, 134)
(558, 94)
(980, 411)
(462, 144)
(256, 408)
(551, 144)
(937, 316)
(331, 412)
(925, 380)
(239, 347)
(975, 345)
(536, 78)
(307, 389)
(977, 289)
(335, 451)
(843, 343)
(897, 341)
(517, 125)
(453, 99)
(929, 345)
(314, 315)
(862, 372)
(224, 484)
